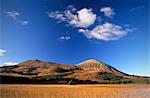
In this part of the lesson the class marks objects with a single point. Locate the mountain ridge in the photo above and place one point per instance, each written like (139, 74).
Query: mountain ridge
(89, 70)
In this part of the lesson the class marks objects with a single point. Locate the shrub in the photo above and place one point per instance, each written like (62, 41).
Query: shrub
(108, 76)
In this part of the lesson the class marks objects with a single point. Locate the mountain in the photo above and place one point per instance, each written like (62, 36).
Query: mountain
(89, 71)
(39, 68)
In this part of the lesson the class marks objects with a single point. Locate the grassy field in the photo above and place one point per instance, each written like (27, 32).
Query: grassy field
(74, 91)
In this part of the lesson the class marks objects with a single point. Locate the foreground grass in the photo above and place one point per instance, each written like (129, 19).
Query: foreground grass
(74, 91)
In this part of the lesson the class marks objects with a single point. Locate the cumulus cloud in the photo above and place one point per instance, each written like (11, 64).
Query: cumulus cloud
(65, 38)
(82, 18)
(108, 11)
(86, 17)
(10, 63)
(106, 32)
(2, 52)
(13, 15)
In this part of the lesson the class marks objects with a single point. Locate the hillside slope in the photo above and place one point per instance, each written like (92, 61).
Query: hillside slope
(89, 71)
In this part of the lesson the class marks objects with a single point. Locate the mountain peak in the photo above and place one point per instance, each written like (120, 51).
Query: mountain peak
(94, 65)
(30, 62)
(90, 61)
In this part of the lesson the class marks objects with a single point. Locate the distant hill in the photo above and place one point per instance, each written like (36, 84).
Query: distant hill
(87, 72)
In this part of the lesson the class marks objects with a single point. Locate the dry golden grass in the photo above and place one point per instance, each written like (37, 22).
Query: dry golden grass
(74, 91)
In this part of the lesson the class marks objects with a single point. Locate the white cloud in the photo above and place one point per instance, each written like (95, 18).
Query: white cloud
(2, 52)
(106, 32)
(126, 25)
(71, 8)
(57, 15)
(86, 17)
(12, 14)
(137, 8)
(10, 63)
(82, 18)
(25, 22)
(82, 30)
(108, 11)
(131, 29)
(86, 32)
(65, 38)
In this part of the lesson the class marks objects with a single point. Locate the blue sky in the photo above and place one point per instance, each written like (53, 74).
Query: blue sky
(70, 31)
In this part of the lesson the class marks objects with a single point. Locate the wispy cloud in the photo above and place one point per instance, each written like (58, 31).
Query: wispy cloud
(24, 22)
(57, 15)
(64, 38)
(137, 8)
(108, 11)
(2, 52)
(77, 18)
(106, 32)
(14, 15)
(131, 29)
(9, 63)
